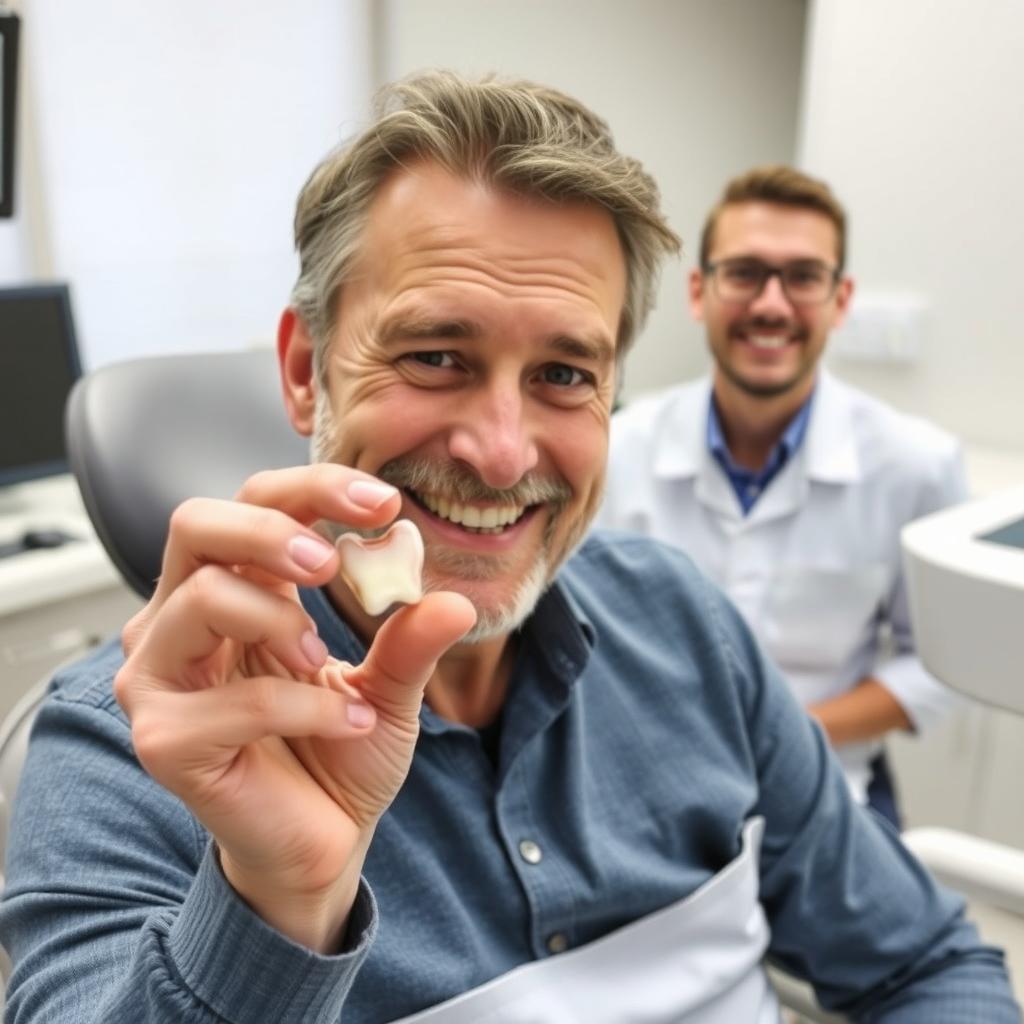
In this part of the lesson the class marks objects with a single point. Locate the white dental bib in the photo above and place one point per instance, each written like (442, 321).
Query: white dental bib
(697, 961)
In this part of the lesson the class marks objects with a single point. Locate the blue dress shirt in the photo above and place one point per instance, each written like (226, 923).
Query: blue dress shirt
(749, 484)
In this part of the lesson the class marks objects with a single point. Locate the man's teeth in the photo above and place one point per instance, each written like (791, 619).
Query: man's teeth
(768, 340)
(494, 518)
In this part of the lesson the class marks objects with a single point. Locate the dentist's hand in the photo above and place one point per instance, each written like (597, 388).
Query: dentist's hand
(285, 755)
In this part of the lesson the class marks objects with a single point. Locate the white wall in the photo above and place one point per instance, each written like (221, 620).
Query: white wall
(914, 111)
(698, 90)
(171, 141)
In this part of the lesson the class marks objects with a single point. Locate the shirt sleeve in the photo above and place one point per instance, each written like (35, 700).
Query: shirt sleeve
(925, 699)
(850, 909)
(115, 909)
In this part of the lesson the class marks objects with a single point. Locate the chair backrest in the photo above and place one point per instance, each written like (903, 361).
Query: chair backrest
(144, 435)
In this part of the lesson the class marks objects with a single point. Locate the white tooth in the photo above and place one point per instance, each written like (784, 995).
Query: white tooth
(430, 501)
(455, 512)
(489, 518)
(471, 517)
(444, 507)
(385, 570)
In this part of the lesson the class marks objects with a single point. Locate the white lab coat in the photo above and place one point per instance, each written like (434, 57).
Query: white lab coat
(815, 567)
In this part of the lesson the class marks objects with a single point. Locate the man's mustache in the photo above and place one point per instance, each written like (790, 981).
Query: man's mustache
(427, 476)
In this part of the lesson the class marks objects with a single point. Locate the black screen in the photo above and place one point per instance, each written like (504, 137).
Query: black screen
(1012, 535)
(9, 34)
(38, 364)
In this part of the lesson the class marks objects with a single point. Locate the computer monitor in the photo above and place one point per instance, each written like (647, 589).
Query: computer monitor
(38, 364)
(9, 33)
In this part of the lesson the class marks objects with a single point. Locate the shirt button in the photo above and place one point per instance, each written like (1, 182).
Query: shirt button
(530, 851)
(558, 943)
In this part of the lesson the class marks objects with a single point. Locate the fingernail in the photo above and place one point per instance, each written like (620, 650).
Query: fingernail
(369, 494)
(359, 715)
(314, 649)
(308, 553)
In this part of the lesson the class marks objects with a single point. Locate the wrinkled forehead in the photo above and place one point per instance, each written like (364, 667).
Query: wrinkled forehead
(424, 212)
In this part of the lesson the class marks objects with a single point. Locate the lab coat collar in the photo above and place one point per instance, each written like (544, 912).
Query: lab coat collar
(828, 453)
(831, 454)
(679, 446)
(681, 450)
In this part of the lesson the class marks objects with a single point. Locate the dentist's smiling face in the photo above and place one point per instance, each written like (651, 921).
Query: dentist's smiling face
(769, 345)
(473, 365)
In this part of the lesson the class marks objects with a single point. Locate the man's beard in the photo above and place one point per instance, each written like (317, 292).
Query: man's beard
(425, 476)
(757, 389)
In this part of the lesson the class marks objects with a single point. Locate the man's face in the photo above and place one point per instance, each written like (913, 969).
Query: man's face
(473, 366)
(769, 346)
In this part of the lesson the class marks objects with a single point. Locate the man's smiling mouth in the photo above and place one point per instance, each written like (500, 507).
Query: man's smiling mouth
(768, 341)
(491, 519)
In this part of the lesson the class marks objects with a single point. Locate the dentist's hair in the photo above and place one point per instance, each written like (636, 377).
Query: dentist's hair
(783, 186)
(515, 135)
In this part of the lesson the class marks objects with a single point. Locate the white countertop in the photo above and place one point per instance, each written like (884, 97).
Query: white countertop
(45, 575)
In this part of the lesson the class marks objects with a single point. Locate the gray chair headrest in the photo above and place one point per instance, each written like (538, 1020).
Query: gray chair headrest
(142, 436)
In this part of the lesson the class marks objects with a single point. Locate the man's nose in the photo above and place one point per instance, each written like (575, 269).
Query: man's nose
(494, 436)
(773, 301)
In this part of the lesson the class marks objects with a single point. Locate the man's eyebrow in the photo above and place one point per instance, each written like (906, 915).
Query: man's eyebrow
(411, 328)
(596, 347)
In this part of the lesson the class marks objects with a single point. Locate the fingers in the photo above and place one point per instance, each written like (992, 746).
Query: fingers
(215, 604)
(267, 527)
(173, 731)
(406, 649)
(323, 491)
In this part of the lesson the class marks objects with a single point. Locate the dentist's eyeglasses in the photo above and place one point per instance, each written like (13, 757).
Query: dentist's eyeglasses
(805, 282)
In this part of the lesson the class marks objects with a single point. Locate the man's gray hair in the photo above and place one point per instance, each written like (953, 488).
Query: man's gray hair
(519, 136)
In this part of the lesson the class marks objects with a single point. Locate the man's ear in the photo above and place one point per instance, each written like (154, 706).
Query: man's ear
(295, 360)
(844, 296)
(696, 290)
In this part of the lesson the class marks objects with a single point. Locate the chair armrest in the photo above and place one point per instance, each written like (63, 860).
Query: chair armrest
(798, 996)
(979, 868)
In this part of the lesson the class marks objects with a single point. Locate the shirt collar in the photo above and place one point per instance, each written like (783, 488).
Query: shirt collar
(787, 445)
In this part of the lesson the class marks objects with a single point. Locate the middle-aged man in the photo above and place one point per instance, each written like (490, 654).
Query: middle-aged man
(786, 486)
(607, 808)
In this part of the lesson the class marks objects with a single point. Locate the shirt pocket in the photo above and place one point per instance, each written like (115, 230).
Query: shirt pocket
(816, 618)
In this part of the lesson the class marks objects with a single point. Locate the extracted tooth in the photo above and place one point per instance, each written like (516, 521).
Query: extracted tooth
(385, 570)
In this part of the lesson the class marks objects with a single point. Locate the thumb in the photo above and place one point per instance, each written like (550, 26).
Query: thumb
(406, 648)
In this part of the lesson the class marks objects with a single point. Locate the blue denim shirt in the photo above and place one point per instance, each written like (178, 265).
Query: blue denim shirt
(641, 730)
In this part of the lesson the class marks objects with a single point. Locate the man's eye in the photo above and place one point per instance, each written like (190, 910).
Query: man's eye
(563, 376)
(441, 360)
(805, 275)
(743, 274)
